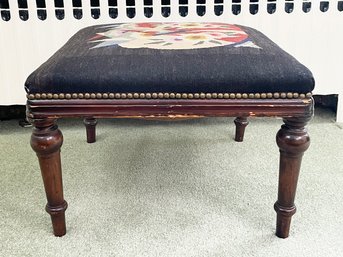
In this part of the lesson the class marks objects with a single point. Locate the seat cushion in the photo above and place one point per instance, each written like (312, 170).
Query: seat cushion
(169, 58)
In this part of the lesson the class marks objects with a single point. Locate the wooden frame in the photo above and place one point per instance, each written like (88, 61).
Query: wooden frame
(292, 138)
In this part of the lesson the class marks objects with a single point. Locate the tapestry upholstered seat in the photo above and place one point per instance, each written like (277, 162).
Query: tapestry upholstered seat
(170, 70)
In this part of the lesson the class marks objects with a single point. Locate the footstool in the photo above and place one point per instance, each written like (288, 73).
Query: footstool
(170, 71)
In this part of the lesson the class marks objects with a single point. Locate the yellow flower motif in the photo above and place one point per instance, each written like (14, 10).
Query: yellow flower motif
(196, 37)
(189, 25)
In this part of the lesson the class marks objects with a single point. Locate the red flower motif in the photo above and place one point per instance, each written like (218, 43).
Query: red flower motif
(146, 25)
(235, 39)
(97, 37)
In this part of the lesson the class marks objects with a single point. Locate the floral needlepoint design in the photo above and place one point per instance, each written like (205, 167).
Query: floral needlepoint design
(171, 36)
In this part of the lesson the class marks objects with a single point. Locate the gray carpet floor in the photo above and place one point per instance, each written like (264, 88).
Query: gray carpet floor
(149, 188)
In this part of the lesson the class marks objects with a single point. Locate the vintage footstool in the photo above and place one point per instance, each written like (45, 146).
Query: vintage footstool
(170, 70)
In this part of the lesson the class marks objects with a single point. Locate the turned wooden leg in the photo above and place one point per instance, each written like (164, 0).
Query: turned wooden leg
(293, 140)
(241, 123)
(46, 141)
(90, 124)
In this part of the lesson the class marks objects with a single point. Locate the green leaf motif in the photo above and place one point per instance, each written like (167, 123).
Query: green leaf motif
(215, 42)
(199, 43)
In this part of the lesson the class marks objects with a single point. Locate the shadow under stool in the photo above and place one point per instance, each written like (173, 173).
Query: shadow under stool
(170, 71)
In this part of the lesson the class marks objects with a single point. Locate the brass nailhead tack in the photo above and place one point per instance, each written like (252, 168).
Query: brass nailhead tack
(160, 95)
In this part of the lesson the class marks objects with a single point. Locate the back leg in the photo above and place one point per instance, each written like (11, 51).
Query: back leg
(90, 124)
(241, 123)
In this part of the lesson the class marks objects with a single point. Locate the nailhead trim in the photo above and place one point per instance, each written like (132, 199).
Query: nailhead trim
(281, 95)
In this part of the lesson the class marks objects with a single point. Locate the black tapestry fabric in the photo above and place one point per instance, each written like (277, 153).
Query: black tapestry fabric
(170, 57)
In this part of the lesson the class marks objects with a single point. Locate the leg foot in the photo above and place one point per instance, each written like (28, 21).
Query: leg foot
(241, 123)
(90, 124)
(46, 141)
(293, 140)
(58, 218)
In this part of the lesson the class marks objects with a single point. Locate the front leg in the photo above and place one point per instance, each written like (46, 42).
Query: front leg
(46, 141)
(293, 140)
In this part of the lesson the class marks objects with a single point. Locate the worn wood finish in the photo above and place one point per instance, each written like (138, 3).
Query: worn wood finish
(292, 139)
(46, 141)
(102, 108)
(241, 123)
(90, 124)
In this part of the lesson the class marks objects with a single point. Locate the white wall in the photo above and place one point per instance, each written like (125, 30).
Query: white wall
(314, 38)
